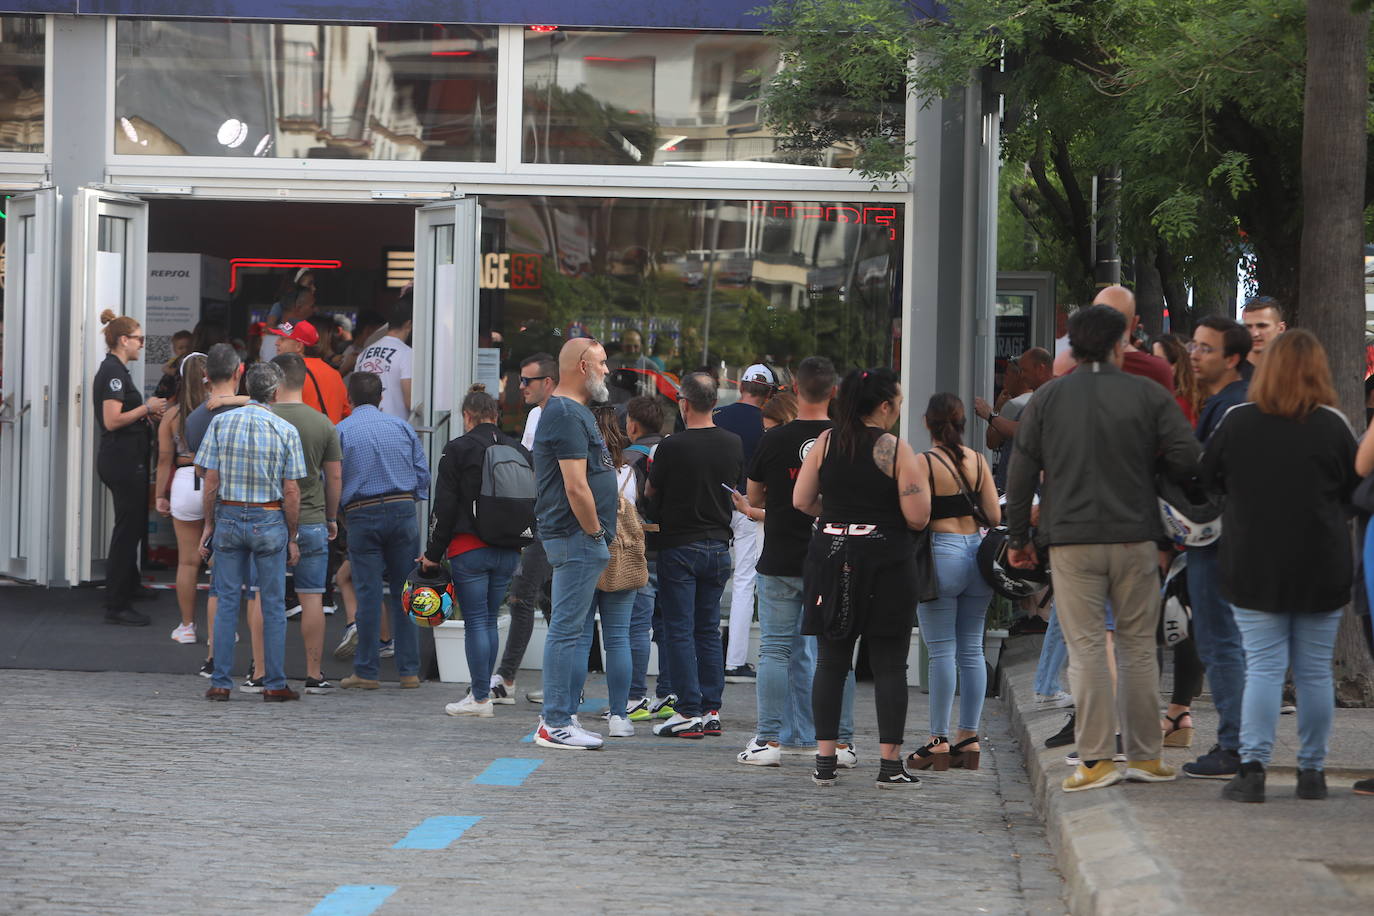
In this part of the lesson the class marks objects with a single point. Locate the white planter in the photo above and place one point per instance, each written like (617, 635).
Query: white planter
(534, 653)
(450, 651)
(916, 671)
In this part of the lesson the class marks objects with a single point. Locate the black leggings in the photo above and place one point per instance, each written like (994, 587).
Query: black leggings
(887, 658)
(1188, 672)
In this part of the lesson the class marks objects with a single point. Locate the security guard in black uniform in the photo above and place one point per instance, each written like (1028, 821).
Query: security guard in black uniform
(122, 462)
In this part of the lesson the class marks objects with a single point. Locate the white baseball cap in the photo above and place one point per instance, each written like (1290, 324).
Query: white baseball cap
(759, 374)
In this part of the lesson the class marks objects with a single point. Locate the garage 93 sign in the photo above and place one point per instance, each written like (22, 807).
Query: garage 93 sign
(510, 271)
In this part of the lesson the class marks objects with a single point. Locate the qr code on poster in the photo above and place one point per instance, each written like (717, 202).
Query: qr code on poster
(157, 350)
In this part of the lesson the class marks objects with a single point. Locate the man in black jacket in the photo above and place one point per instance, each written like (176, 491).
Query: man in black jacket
(1098, 435)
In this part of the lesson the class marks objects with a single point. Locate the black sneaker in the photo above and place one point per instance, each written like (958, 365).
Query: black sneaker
(899, 777)
(825, 775)
(1247, 785)
(1062, 737)
(252, 685)
(1311, 784)
(126, 617)
(744, 674)
(321, 685)
(710, 723)
(207, 669)
(500, 695)
(1215, 764)
(1364, 787)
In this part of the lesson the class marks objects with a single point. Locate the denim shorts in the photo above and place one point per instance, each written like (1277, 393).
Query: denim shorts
(313, 567)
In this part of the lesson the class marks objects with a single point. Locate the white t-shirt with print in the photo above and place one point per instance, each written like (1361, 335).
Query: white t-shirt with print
(392, 360)
(531, 424)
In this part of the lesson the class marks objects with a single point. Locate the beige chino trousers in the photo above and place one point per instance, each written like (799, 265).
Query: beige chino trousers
(1085, 577)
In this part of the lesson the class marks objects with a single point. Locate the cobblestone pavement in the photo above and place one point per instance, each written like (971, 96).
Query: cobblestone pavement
(129, 793)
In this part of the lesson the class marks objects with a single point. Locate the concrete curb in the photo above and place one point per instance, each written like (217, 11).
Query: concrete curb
(1107, 866)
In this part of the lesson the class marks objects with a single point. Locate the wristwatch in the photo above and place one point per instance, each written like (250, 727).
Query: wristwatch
(597, 535)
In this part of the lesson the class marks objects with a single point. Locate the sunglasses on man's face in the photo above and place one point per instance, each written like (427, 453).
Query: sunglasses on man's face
(528, 380)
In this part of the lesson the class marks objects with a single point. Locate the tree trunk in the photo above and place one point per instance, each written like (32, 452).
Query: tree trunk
(1149, 292)
(1331, 279)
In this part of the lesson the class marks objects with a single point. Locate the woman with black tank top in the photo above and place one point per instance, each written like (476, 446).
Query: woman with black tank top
(963, 498)
(869, 491)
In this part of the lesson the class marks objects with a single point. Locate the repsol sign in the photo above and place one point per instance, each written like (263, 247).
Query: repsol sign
(170, 273)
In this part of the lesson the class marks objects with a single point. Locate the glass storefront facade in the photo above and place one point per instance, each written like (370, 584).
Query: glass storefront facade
(306, 91)
(23, 96)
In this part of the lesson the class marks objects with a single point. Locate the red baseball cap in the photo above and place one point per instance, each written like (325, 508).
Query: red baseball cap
(302, 331)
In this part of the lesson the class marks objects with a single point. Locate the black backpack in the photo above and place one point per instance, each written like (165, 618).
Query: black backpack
(503, 512)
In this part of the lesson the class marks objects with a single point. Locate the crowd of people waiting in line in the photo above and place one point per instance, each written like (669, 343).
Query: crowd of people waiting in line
(842, 530)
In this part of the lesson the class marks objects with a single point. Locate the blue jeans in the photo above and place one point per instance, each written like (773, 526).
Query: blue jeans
(1272, 642)
(248, 538)
(616, 608)
(1054, 654)
(383, 541)
(691, 579)
(787, 667)
(311, 569)
(480, 580)
(1218, 642)
(641, 625)
(578, 561)
(952, 626)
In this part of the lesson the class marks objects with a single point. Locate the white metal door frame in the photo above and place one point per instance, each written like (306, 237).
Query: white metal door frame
(109, 264)
(26, 408)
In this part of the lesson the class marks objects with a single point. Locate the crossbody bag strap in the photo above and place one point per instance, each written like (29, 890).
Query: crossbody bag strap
(976, 510)
(318, 394)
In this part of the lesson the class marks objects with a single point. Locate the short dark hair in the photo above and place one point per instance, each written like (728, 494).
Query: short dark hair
(1260, 303)
(755, 389)
(368, 319)
(183, 334)
(1235, 340)
(1094, 332)
(548, 366)
(402, 311)
(815, 379)
(364, 388)
(292, 366)
(221, 363)
(698, 389)
(263, 379)
(646, 411)
(1039, 356)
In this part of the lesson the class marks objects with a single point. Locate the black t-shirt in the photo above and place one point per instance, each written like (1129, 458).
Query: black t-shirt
(113, 383)
(689, 502)
(786, 532)
(198, 422)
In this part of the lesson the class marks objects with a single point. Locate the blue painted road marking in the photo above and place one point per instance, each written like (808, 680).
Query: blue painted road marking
(353, 900)
(437, 833)
(507, 771)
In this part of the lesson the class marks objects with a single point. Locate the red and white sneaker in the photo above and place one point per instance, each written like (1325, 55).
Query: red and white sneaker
(568, 738)
(185, 634)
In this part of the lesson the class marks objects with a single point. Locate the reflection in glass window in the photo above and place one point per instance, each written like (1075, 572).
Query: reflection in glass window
(647, 97)
(671, 286)
(304, 91)
(21, 84)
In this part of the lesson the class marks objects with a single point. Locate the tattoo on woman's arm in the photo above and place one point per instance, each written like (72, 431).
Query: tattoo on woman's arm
(912, 490)
(885, 455)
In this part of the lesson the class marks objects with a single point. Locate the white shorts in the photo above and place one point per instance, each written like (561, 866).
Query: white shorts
(187, 504)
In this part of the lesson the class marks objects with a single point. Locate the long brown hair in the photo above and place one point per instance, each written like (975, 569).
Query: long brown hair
(191, 388)
(945, 420)
(609, 426)
(1185, 382)
(1294, 379)
(116, 326)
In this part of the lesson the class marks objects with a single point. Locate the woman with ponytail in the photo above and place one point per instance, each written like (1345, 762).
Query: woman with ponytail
(178, 488)
(123, 420)
(963, 498)
(869, 491)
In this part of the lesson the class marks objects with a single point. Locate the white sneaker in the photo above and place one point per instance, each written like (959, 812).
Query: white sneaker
(185, 634)
(568, 738)
(845, 756)
(293, 612)
(500, 693)
(680, 726)
(578, 725)
(329, 609)
(1060, 700)
(467, 706)
(760, 753)
(620, 727)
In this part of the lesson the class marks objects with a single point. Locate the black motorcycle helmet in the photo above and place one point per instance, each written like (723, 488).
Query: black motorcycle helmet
(1005, 579)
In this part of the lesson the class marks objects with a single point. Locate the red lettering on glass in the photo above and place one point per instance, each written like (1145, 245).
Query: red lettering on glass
(868, 216)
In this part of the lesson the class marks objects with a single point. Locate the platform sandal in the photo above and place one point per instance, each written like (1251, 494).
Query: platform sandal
(925, 759)
(958, 757)
(1176, 735)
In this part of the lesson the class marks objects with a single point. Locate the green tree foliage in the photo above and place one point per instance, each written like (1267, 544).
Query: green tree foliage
(1197, 102)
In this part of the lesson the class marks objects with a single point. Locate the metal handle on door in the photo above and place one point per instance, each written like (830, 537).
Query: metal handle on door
(8, 407)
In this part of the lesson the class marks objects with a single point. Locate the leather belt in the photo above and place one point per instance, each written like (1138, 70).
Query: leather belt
(378, 500)
(274, 504)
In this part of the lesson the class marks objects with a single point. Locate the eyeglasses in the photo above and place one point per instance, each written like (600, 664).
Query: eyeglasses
(1205, 349)
(137, 337)
(528, 380)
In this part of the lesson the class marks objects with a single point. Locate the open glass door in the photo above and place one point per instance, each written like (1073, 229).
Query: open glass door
(109, 271)
(26, 388)
(445, 335)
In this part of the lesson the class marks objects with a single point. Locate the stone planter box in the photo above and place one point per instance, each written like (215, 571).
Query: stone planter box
(450, 651)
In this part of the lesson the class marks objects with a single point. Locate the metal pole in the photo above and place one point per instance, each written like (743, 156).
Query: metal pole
(710, 280)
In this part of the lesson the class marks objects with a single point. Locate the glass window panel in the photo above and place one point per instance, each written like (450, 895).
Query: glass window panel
(22, 98)
(674, 285)
(645, 97)
(306, 91)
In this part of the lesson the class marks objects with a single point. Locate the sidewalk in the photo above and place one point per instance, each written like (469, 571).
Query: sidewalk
(1178, 847)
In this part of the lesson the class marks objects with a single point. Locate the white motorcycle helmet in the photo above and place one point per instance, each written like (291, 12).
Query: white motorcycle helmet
(1191, 517)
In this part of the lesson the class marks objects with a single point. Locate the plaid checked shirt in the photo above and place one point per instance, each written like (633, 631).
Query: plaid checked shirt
(381, 456)
(254, 450)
